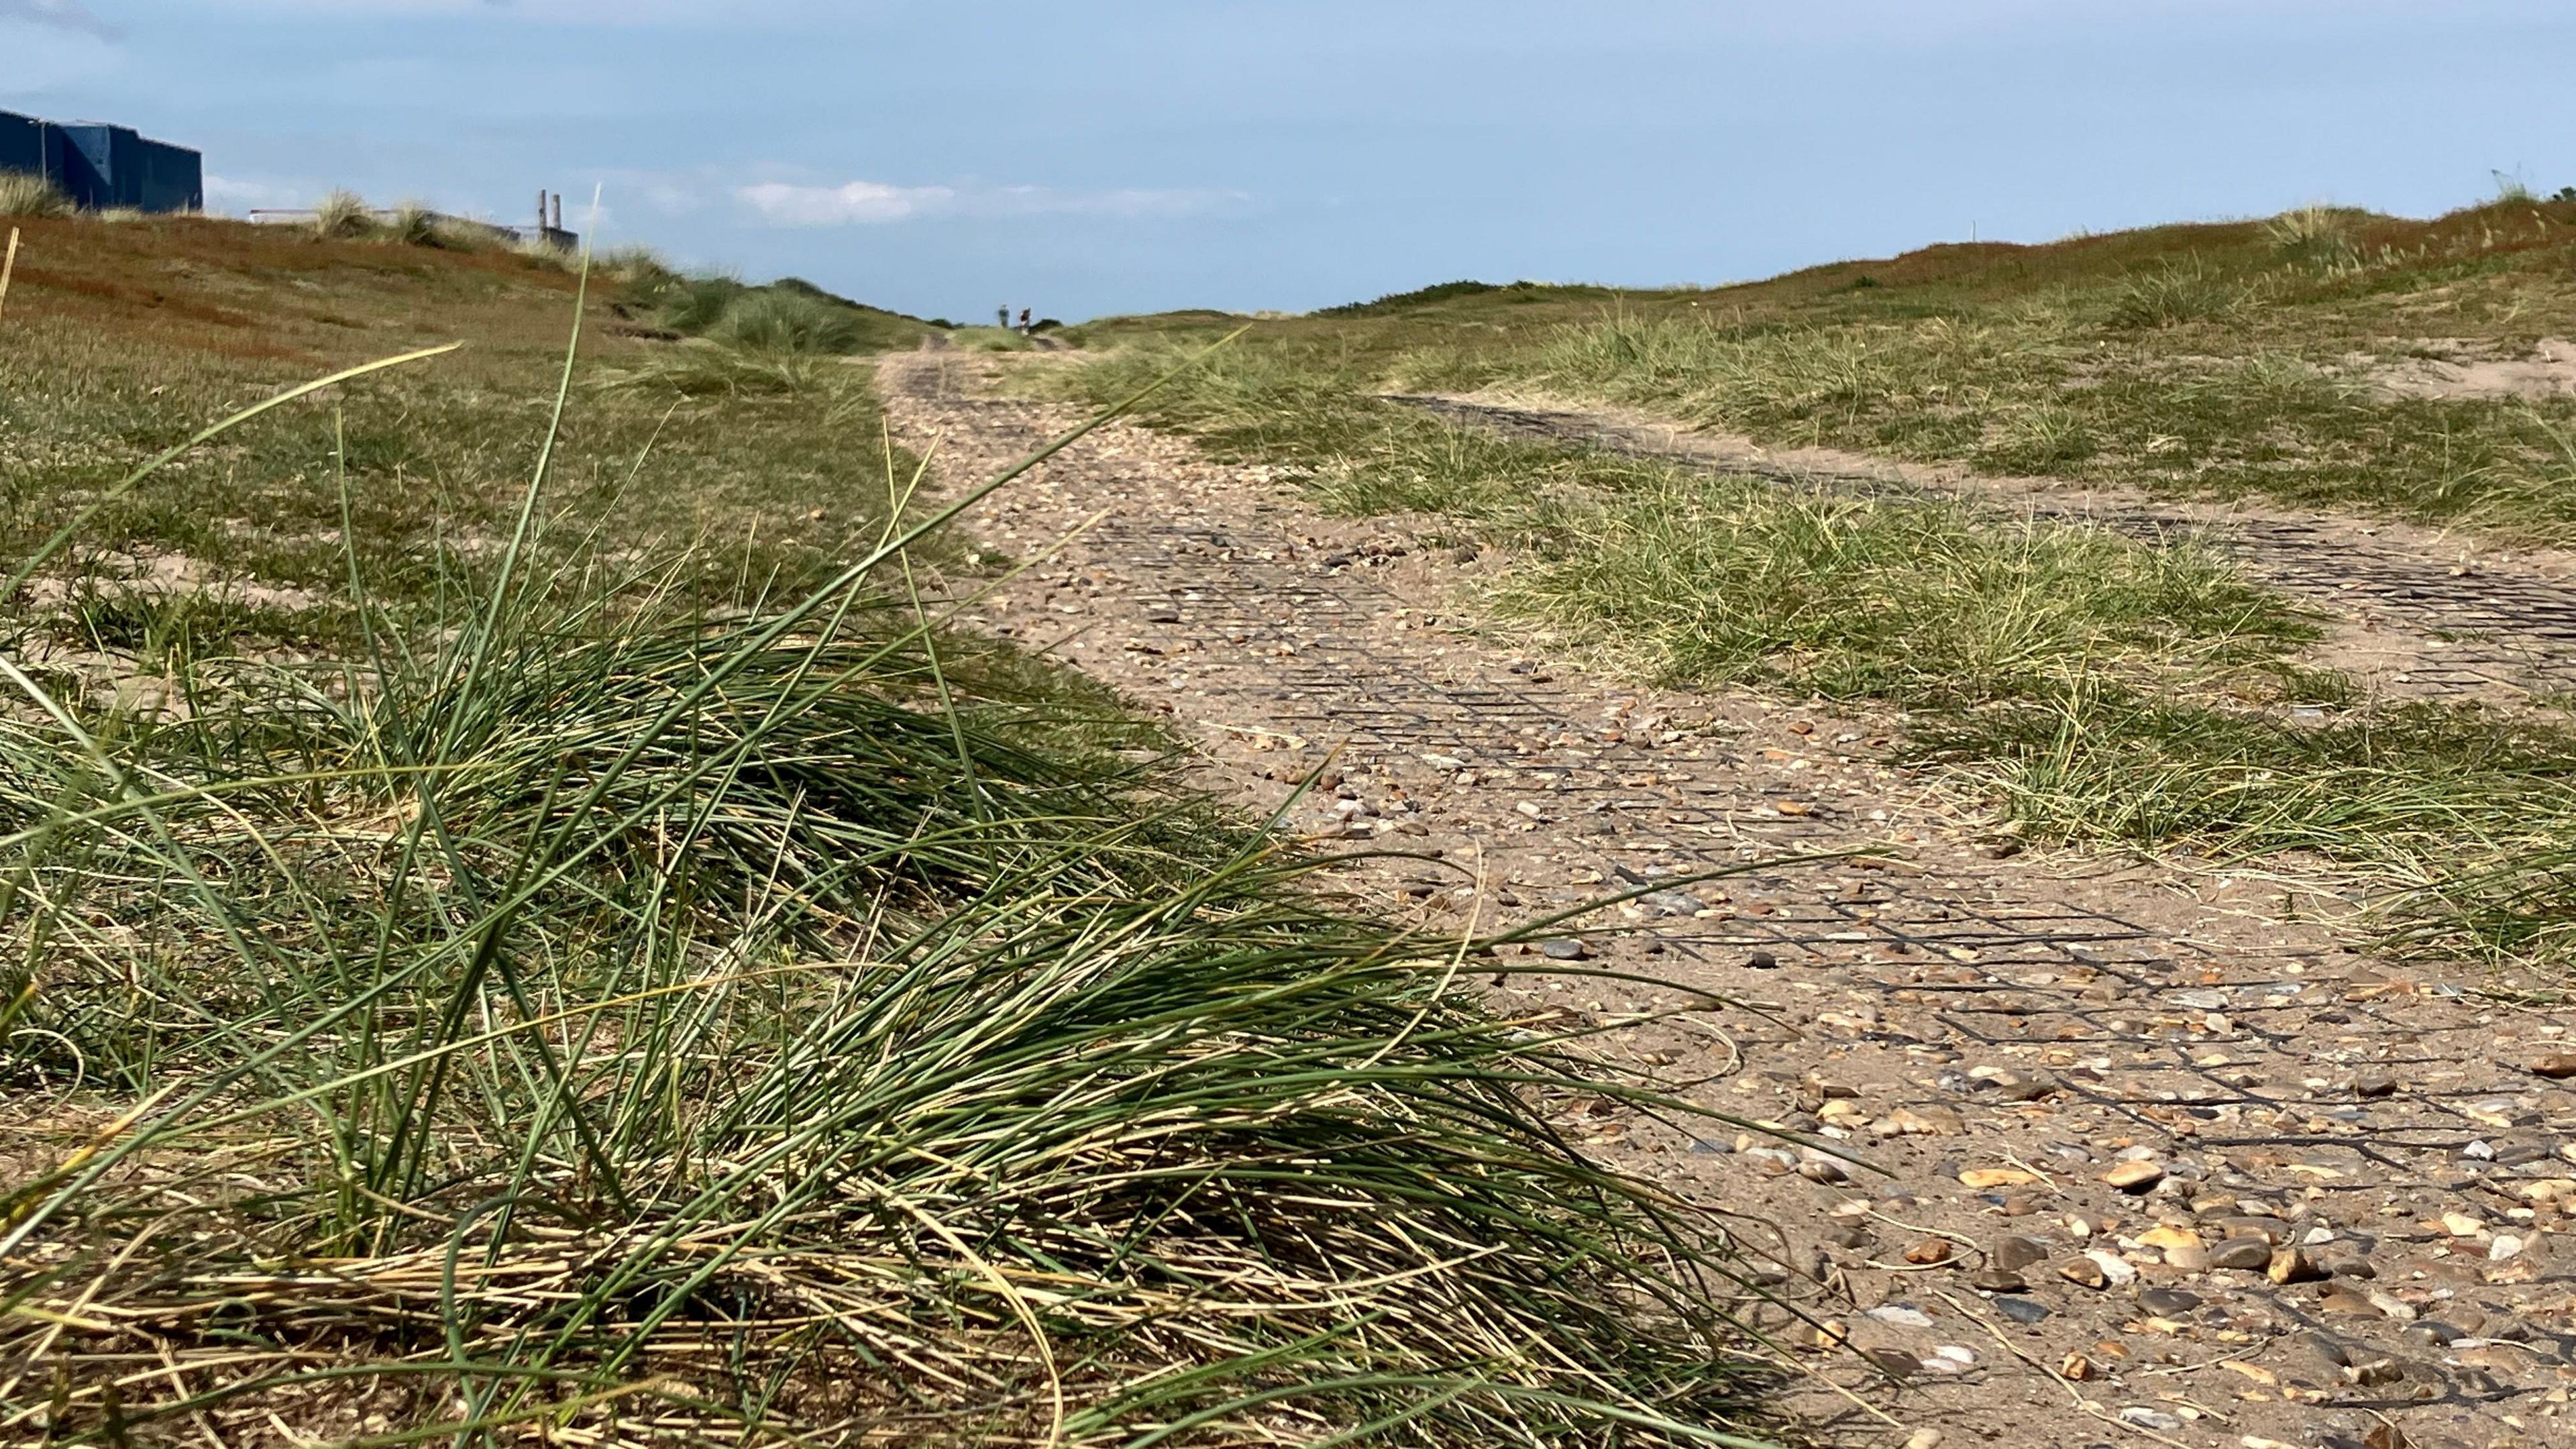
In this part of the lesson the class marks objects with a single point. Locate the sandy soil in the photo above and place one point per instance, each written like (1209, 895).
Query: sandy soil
(2548, 371)
(2081, 1153)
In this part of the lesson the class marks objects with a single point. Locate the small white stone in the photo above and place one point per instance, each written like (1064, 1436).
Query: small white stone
(2115, 1268)
(2504, 1246)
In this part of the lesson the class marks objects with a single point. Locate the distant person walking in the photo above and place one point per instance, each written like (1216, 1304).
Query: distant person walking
(1002, 317)
(1025, 328)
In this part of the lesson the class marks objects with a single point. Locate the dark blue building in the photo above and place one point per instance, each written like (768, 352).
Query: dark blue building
(29, 145)
(101, 166)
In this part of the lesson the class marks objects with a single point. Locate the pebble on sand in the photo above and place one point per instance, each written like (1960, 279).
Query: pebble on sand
(2135, 1176)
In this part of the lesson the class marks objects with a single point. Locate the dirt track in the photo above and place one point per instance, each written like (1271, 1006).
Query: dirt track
(1994, 1035)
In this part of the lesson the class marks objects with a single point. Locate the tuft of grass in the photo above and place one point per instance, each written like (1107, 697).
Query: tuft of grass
(416, 224)
(772, 320)
(699, 369)
(2037, 437)
(343, 214)
(781, 996)
(782, 1021)
(2318, 236)
(2402, 781)
(2173, 293)
(546, 252)
(2467, 811)
(692, 304)
(1927, 387)
(789, 316)
(2513, 904)
(24, 193)
(634, 266)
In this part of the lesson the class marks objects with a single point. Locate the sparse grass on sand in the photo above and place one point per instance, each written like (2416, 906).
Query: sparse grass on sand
(2097, 688)
(118, 334)
(626, 980)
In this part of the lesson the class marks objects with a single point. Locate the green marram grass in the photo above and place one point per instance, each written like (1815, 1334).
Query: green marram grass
(575, 1010)
(2460, 816)
(782, 339)
(2149, 359)
(786, 316)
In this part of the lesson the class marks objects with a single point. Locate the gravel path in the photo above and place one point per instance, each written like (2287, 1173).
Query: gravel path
(2148, 1158)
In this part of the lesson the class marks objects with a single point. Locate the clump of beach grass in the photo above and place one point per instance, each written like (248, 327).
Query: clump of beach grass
(416, 224)
(576, 1014)
(2316, 236)
(2173, 293)
(772, 320)
(2462, 813)
(341, 214)
(697, 368)
(24, 193)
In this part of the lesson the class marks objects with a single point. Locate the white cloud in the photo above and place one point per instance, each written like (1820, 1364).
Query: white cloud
(58, 14)
(852, 202)
(877, 203)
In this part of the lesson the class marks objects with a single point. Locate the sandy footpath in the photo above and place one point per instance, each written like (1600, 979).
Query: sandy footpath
(2104, 1154)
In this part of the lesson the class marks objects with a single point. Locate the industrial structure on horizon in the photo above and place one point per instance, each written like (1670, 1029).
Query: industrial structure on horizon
(103, 167)
(100, 166)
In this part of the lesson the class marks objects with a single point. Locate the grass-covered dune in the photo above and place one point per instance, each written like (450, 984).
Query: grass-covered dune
(521, 920)
(2243, 358)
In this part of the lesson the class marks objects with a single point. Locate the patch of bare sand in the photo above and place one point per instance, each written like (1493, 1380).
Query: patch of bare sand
(163, 573)
(2547, 371)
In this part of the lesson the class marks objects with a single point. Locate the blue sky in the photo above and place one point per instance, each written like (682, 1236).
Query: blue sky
(1086, 158)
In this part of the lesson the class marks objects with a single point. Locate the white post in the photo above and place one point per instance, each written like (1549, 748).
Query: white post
(7, 267)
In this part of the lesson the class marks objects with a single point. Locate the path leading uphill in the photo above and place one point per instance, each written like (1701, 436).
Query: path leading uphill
(2163, 1162)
